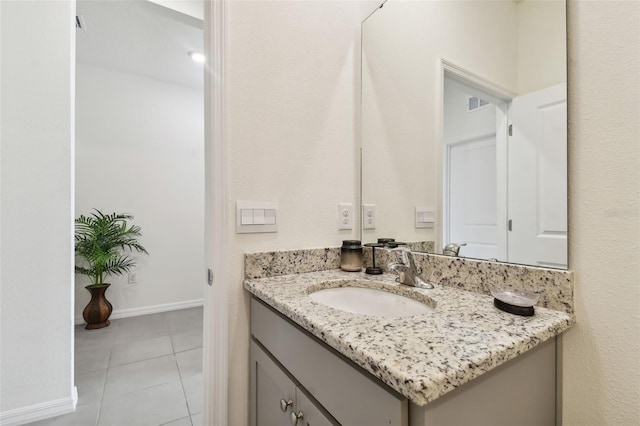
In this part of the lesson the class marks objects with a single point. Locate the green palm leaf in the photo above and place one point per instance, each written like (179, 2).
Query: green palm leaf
(103, 242)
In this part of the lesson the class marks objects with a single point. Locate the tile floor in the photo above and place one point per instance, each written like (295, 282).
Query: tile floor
(144, 370)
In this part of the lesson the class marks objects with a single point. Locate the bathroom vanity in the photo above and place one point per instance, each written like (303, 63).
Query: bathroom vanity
(464, 362)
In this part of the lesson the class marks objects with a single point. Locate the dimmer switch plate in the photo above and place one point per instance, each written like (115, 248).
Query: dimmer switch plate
(345, 216)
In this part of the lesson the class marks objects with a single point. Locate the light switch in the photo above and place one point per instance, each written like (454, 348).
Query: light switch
(247, 217)
(256, 217)
(270, 217)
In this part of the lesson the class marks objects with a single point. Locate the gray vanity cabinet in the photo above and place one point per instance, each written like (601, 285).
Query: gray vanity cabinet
(276, 400)
(287, 363)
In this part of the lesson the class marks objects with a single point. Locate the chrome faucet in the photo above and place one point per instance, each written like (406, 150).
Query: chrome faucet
(406, 269)
(452, 249)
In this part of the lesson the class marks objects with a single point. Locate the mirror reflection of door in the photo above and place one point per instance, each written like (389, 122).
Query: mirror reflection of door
(472, 207)
(538, 178)
(476, 209)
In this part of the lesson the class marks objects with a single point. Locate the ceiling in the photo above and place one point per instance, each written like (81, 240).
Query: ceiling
(140, 37)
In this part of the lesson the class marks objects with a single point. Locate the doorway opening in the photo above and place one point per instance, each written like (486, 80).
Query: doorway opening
(474, 177)
(140, 150)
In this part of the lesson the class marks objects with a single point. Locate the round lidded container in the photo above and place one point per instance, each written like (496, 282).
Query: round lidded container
(385, 241)
(351, 259)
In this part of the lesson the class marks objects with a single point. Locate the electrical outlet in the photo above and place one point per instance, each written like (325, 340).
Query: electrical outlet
(133, 277)
(345, 216)
(369, 216)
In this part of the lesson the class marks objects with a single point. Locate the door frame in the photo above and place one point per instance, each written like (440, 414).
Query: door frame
(501, 97)
(216, 297)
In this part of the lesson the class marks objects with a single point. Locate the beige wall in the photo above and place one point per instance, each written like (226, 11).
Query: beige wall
(293, 83)
(541, 44)
(601, 365)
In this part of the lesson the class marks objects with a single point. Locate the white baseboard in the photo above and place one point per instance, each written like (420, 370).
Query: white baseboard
(43, 410)
(145, 310)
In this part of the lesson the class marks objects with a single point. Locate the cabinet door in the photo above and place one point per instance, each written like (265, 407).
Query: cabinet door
(269, 385)
(308, 414)
(349, 394)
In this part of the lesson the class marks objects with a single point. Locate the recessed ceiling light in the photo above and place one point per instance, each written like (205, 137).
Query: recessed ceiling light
(197, 57)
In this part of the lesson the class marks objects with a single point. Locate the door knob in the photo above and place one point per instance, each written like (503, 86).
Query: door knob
(284, 405)
(295, 417)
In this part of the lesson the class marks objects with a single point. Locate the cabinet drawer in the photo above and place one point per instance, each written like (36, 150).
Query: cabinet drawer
(343, 389)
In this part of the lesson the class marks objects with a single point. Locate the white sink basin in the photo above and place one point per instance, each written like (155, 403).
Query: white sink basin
(369, 301)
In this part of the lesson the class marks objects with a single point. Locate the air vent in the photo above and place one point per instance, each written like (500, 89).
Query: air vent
(475, 103)
(80, 24)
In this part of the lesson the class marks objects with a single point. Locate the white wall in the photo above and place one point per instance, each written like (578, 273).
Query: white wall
(459, 123)
(602, 352)
(140, 150)
(293, 76)
(36, 205)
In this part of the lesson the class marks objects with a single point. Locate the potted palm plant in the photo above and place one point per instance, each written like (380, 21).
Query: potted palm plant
(103, 243)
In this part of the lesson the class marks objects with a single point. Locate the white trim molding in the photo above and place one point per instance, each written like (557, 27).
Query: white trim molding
(216, 305)
(40, 411)
(467, 77)
(145, 310)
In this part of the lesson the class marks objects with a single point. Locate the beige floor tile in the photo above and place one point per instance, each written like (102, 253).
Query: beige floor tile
(140, 375)
(190, 362)
(186, 340)
(194, 389)
(140, 350)
(90, 386)
(151, 406)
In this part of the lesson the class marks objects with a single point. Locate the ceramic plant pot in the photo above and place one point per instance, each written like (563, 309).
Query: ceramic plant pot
(98, 311)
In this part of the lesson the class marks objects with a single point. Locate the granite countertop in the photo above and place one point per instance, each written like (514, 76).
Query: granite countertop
(424, 356)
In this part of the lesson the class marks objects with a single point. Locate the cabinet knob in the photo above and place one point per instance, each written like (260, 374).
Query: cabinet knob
(295, 417)
(284, 405)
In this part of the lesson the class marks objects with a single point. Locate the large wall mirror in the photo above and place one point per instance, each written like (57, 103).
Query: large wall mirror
(464, 128)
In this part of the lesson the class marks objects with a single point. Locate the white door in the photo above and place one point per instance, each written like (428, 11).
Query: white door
(472, 196)
(537, 158)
